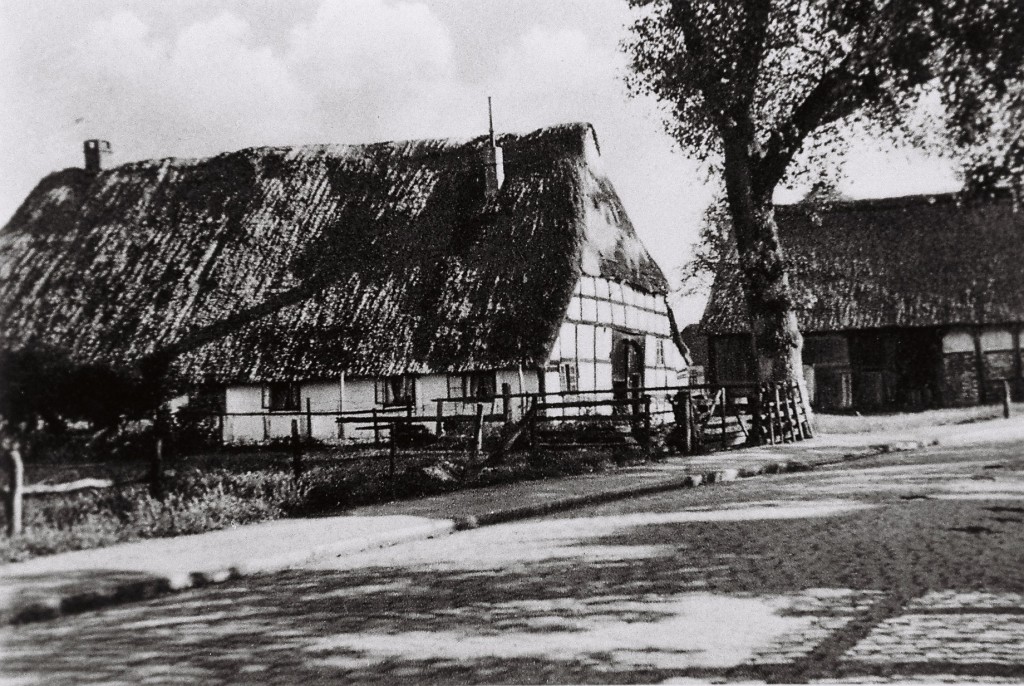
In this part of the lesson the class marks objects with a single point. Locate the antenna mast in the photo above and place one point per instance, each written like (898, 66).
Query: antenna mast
(490, 119)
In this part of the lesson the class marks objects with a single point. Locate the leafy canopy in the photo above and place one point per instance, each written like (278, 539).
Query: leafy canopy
(787, 76)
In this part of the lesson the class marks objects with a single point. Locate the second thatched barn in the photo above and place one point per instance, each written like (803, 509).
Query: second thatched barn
(904, 303)
(342, 278)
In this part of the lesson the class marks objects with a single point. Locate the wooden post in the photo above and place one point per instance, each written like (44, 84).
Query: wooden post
(684, 417)
(768, 415)
(478, 432)
(156, 469)
(534, 412)
(808, 429)
(392, 458)
(15, 469)
(309, 419)
(756, 426)
(796, 414)
(440, 417)
(220, 429)
(789, 419)
(376, 429)
(722, 412)
(506, 403)
(647, 418)
(1006, 398)
(296, 450)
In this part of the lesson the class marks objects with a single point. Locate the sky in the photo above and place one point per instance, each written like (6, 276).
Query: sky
(192, 78)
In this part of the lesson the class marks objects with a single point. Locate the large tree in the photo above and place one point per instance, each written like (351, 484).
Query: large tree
(754, 87)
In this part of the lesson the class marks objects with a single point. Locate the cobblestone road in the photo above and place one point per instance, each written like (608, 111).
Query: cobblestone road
(902, 568)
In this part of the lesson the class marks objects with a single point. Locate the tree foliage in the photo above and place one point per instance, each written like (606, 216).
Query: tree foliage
(753, 86)
(43, 384)
(790, 75)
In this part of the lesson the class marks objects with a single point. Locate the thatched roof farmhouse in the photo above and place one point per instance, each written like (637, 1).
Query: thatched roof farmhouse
(903, 302)
(315, 263)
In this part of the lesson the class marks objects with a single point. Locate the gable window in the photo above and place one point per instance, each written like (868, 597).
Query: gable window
(569, 376)
(396, 390)
(282, 396)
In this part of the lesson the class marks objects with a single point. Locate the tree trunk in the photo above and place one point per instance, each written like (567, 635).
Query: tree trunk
(777, 340)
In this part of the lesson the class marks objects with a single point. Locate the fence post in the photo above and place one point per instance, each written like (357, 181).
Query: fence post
(440, 417)
(534, 412)
(392, 459)
(723, 413)
(756, 429)
(478, 432)
(296, 450)
(647, 418)
(789, 418)
(1006, 398)
(156, 469)
(506, 402)
(309, 419)
(769, 415)
(808, 429)
(15, 488)
(684, 419)
(376, 429)
(791, 401)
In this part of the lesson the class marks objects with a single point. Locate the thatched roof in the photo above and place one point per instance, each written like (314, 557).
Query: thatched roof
(283, 263)
(899, 262)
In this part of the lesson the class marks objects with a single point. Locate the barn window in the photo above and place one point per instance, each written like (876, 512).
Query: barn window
(396, 390)
(282, 396)
(569, 376)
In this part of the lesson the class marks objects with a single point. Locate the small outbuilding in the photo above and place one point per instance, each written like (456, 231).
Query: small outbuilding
(904, 303)
(338, 278)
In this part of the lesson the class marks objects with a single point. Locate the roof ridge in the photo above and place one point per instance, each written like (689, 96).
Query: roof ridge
(417, 148)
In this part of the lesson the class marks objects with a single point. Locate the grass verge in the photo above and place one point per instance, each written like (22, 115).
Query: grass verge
(218, 490)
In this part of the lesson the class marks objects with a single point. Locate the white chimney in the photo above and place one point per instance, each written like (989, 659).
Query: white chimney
(494, 161)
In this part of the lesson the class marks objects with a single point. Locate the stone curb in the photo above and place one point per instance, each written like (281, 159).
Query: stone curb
(106, 594)
(114, 593)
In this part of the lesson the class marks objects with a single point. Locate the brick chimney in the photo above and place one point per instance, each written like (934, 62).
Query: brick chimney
(494, 161)
(95, 150)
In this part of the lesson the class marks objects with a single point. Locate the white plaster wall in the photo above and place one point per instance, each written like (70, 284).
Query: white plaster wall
(323, 396)
(246, 398)
(243, 398)
(428, 388)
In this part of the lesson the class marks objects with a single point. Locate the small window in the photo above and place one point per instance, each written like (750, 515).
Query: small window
(282, 397)
(659, 353)
(474, 385)
(569, 376)
(482, 385)
(396, 390)
(455, 386)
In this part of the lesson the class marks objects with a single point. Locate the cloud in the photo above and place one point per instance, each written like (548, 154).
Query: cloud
(197, 78)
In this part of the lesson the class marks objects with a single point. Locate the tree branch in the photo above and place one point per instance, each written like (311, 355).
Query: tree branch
(839, 93)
